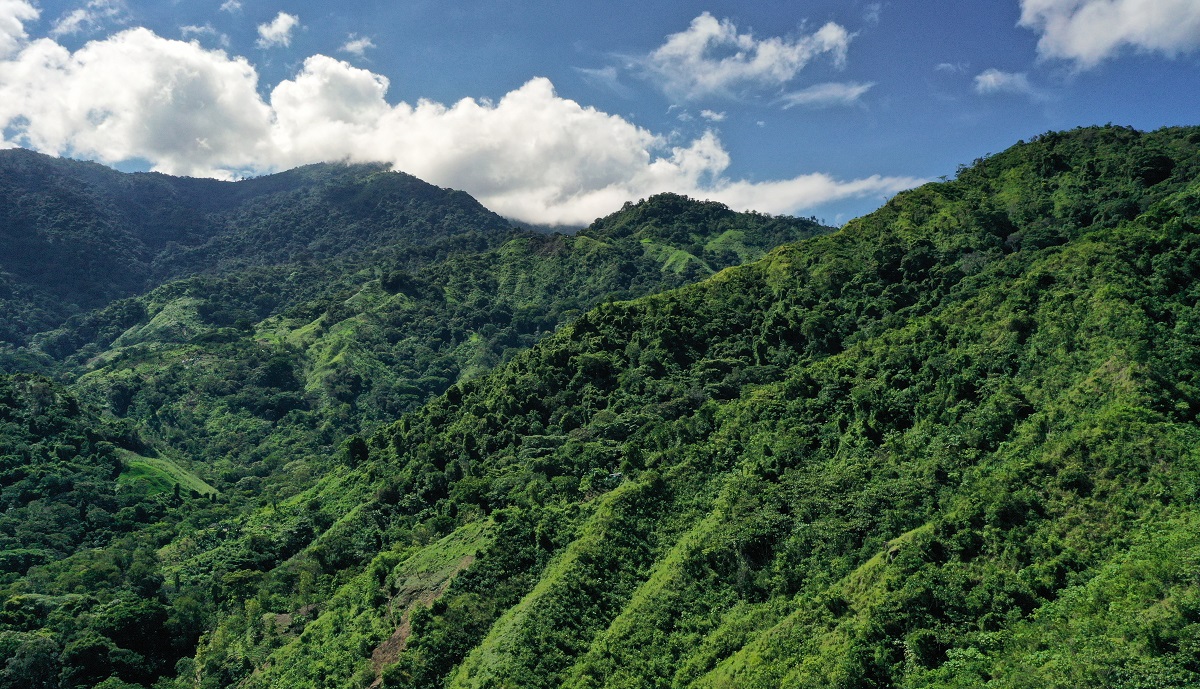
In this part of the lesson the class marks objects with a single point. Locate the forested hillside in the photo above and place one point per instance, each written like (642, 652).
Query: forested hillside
(79, 235)
(240, 387)
(953, 444)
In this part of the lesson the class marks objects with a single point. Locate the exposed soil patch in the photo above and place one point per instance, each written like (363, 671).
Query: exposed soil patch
(421, 591)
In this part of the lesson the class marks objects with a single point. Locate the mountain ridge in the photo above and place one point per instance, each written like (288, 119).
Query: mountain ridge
(81, 235)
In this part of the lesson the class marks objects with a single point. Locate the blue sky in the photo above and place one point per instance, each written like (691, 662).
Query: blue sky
(559, 112)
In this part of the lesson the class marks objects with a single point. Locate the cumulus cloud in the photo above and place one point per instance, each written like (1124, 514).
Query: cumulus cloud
(13, 15)
(231, 6)
(357, 46)
(136, 95)
(278, 31)
(712, 116)
(1089, 31)
(711, 58)
(826, 95)
(532, 155)
(995, 81)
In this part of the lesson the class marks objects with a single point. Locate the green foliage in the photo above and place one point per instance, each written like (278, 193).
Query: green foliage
(953, 444)
(934, 449)
(78, 236)
(247, 385)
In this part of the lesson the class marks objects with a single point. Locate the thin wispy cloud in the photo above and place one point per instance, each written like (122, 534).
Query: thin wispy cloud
(952, 67)
(872, 12)
(1088, 32)
(605, 77)
(91, 17)
(712, 116)
(231, 6)
(205, 31)
(711, 58)
(826, 95)
(277, 32)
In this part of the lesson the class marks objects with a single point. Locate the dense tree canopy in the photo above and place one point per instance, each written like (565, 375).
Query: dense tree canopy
(952, 444)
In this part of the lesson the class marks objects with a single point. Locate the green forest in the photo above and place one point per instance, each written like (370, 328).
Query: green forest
(340, 428)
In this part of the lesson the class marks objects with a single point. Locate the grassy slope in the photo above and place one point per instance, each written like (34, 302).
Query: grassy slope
(159, 475)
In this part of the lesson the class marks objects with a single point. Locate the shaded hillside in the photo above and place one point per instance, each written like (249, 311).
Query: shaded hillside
(953, 444)
(79, 235)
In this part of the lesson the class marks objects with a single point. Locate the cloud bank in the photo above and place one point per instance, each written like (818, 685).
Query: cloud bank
(1089, 31)
(532, 155)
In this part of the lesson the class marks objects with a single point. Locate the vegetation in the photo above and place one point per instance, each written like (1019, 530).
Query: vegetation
(262, 378)
(78, 235)
(953, 444)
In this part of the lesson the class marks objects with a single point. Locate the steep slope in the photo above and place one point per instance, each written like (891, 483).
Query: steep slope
(79, 235)
(248, 386)
(953, 444)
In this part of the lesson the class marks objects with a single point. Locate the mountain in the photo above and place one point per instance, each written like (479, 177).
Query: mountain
(952, 444)
(79, 235)
(238, 388)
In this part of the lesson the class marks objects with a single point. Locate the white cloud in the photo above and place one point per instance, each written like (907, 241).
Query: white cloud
(231, 6)
(532, 155)
(952, 67)
(13, 15)
(995, 81)
(807, 191)
(357, 46)
(192, 31)
(278, 31)
(712, 116)
(825, 95)
(711, 58)
(1089, 31)
(90, 17)
(136, 95)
